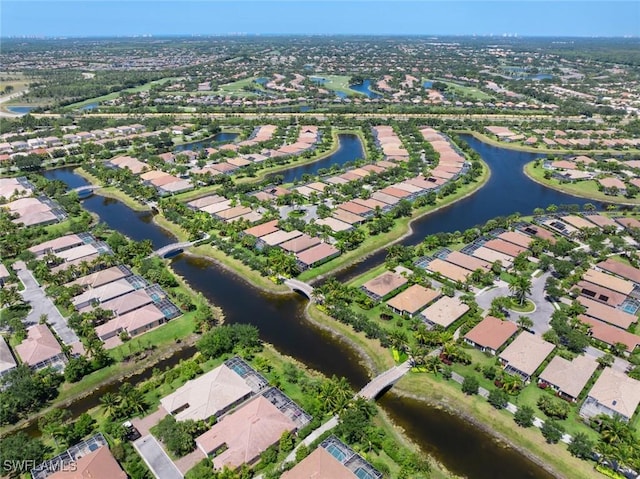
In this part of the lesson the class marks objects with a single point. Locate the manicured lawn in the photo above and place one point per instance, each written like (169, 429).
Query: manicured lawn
(526, 307)
(339, 83)
(448, 393)
(237, 88)
(584, 189)
(466, 91)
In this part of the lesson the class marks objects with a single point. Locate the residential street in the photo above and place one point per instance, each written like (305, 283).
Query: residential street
(40, 304)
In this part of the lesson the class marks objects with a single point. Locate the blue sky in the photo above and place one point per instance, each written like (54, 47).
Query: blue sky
(422, 17)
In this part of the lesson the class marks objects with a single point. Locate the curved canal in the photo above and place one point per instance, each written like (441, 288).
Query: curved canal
(461, 447)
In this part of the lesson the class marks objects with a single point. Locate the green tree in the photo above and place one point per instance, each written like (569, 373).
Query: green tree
(18, 451)
(524, 416)
(470, 385)
(581, 446)
(520, 287)
(498, 398)
(552, 431)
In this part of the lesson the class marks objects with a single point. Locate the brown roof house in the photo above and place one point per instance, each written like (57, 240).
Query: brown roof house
(614, 394)
(490, 334)
(383, 285)
(41, 349)
(212, 394)
(7, 361)
(99, 464)
(412, 300)
(444, 312)
(568, 378)
(525, 355)
(242, 436)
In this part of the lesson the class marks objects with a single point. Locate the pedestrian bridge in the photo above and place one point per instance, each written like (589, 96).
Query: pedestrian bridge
(85, 189)
(384, 381)
(300, 286)
(172, 248)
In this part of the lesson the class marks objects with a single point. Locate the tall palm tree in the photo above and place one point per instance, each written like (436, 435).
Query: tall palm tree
(110, 402)
(520, 287)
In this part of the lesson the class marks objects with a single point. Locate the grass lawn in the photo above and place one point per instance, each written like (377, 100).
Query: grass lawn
(115, 94)
(339, 83)
(380, 357)
(236, 88)
(449, 394)
(584, 189)
(242, 270)
(466, 91)
(527, 307)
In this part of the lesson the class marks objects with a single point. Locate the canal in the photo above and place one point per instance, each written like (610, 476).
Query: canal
(349, 149)
(461, 447)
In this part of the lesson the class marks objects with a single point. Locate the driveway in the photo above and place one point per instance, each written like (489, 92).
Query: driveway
(40, 303)
(156, 459)
(544, 309)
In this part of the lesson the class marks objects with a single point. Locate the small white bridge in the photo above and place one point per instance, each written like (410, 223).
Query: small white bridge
(384, 380)
(300, 286)
(175, 247)
(82, 189)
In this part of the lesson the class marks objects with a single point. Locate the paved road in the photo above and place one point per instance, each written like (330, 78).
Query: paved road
(40, 304)
(619, 364)
(156, 459)
(544, 309)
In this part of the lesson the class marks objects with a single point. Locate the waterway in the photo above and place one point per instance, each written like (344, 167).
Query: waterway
(21, 110)
(462, 448)
(508, 191)
(222, 137)
(365, 87)
(349, 149)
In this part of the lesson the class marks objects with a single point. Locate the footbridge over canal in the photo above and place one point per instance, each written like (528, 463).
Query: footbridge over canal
(85, 189)
(300, 286)
(173, 248)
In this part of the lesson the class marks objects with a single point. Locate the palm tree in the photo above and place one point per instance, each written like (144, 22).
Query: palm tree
(398, 340)
(511, 383)
(9, 296)
(520, 287)
(525, 322)
(432, 364)
(110, 403)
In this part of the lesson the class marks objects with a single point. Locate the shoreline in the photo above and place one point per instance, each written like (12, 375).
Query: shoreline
(543, 151)
(611, 200)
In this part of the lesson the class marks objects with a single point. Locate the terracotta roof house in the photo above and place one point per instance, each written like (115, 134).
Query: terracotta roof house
(568, 378)
(383, 285)
(317, 254)
(608, 281)
(539, 232)
(610, 182)
(492, 256)
(467, 262)
(98, 464)
(385, 198)
(605, 313)
(263, 229)
(102, 277)
(490, 334)
(134, 322)
(516, 238)
(598, 293)
(320, 464)
(280, 236)
(444, 312)
(7, 361)
(525, 354)
(413, 299)
(577, 221)
(333, 459)
(77, 252)
(601, 220)
(127, 302)
(243, 435)
(334, 224)
(102, 293)
(212, 394)
(299, 244)
(56, 245)
(448, 270)
(620, 269)
(347, 217)
(41, 349)
(510, 249)
(614, 394)
(610, 334)
(206, 201)
(628, 222)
